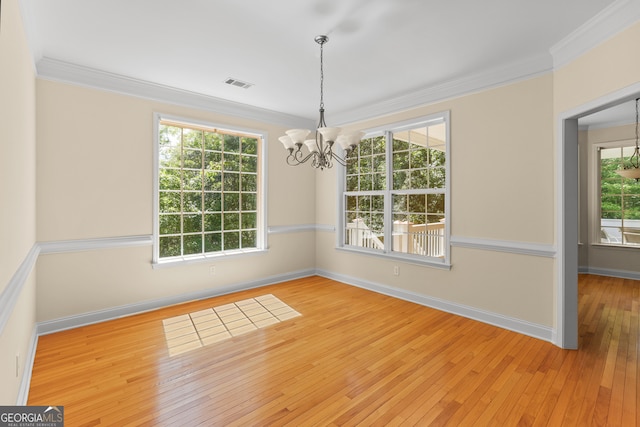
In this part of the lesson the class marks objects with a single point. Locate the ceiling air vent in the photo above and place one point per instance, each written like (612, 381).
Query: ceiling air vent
(238, 83)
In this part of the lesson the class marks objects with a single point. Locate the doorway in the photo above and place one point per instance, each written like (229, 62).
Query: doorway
(567, 211)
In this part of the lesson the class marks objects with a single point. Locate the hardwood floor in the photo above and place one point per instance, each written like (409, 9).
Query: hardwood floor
(353, 357)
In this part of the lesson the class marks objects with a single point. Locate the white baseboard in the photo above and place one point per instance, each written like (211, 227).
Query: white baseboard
(516, 325)
(56, 325)
(623, 274)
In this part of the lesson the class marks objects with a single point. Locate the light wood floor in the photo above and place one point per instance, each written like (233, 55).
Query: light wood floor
(353, 357)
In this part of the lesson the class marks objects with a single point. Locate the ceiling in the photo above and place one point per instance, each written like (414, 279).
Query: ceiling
(378, 50)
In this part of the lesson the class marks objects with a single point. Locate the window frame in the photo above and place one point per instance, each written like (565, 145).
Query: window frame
(388, 192)
(261, 199)
(595, 193)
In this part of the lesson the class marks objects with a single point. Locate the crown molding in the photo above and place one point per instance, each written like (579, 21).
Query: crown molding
(487, 79)
(61, 71)
(612, 20)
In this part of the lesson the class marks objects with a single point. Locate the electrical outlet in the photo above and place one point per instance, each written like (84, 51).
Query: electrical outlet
(396, 270)
(212, 270)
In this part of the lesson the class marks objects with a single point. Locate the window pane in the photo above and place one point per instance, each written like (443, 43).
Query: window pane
(435, 204)
(231, 144)
(192, 180)
(213, 141)
(400, 141)
(193, 244)
(400, 160)
(170, 224)
(249, 220)
(401, 181)
(170, 246)
(170, 157)
(169, 201)
(213, 242)
(437, 177)
(249, 239)
(352, 183)
(212, 181)
(231, 162)
(231, 202)
(192, 159)
(192, 202)
(170, 179)
(249, 182)
(213, 202)
(249, 145)
(213, 222)
(366, 182)
(378, 145)
(632, 207)
(212, 160)
(249, 202)
(231, 182)
(231, 222)
(249, 164)
(169, 135)
(192, 138)
(191, 223)
(231, 240)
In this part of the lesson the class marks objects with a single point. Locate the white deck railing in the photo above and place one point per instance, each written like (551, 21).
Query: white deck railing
(419, 239)
(359, 234)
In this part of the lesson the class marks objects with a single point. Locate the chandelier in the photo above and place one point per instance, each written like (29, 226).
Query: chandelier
(321, 148)
(632, 171)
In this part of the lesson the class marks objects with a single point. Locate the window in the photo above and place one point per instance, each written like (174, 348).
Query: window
(619, 199)
(395, 195)
(208, 191)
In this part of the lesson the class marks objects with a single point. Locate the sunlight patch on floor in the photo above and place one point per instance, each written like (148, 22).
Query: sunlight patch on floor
(194, 330)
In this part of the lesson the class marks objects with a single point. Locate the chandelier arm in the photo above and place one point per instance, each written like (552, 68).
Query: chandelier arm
(295, 158)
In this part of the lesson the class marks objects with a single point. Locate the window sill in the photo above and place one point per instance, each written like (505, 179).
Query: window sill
(432, 262)
(196, 259)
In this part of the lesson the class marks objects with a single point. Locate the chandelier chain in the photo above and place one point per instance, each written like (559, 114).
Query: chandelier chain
(321, 76)
(637, 121)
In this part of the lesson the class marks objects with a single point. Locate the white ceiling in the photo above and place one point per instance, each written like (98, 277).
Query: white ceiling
(378, 49)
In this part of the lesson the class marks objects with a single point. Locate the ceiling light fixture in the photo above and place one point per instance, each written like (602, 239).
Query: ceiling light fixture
(321, 151)
(632, 170)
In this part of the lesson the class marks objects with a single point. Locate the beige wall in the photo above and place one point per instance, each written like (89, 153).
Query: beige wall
(501, 188)
(95, 172)
(606, 68)
(17, 191)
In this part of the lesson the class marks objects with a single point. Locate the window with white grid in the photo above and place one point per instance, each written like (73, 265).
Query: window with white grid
(395, 197)
(208, 191)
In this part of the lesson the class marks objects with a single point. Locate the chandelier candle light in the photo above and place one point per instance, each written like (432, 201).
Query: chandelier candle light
(633, 171)
(321, 151)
